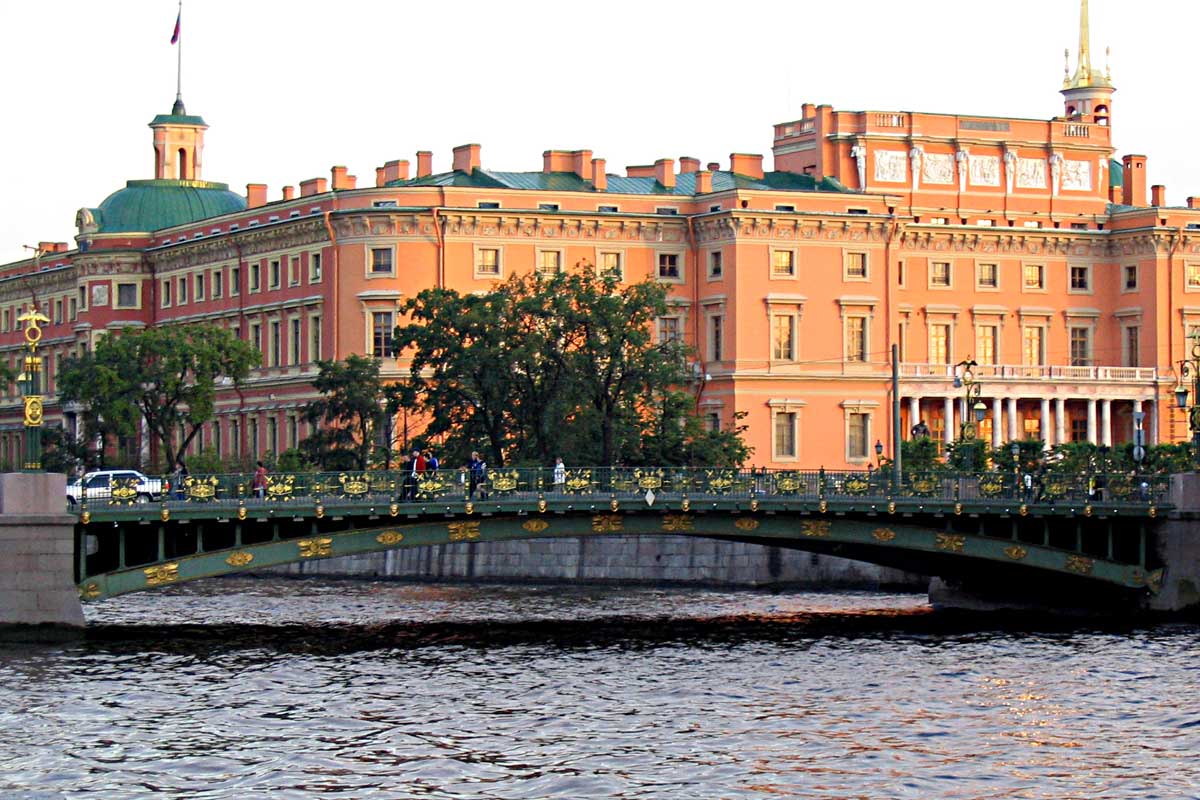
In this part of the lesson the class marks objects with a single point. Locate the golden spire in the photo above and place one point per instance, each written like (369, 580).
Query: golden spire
(1084, 77)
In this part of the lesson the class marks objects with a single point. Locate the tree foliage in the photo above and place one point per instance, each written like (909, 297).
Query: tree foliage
(165, 376)
(353, 406)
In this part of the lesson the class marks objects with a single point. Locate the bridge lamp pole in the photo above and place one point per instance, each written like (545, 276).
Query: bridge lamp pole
(878, 454)
(1189, 371)
(973, 408)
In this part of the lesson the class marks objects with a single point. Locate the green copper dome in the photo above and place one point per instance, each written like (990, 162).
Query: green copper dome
(150, 205)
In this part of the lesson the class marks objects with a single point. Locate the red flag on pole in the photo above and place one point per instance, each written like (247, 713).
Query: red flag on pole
(175, 35)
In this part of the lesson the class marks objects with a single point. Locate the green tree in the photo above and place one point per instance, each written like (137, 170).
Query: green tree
(347, 416)
(107, 409)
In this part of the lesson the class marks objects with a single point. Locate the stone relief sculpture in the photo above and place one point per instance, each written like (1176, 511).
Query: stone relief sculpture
(985, 170)
(1010, 169)
(890, 166)
(1031, 173)
(1056, 160)
(1077, 176)
(938, 168)
(859, 153)
(914, 157)
(961, 157)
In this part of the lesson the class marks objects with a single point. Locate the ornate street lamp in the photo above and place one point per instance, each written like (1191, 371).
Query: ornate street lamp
(973, 406)
(31, 387)
(1189, 369)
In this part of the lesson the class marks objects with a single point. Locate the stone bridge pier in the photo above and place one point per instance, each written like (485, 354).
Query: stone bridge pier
(37, 553)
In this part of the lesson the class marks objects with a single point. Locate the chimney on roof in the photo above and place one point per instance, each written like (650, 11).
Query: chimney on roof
(807, 111)
(748, 164)
(664, 172)
(466, 158)
(703, 181)
(556, 161)
(256, 195)
(1133, 183)
(340, 179)
(395, 171)
(424, 163)
(639, 171)
(1158, 195)
(581, 163)
(52, 247)
(1193, 202)
(599, 176)
(380, 177)
(688, 164)
(312, 186)
(289, 192)
(713, 166)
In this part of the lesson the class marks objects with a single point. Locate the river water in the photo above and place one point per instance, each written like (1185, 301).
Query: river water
(279, 688)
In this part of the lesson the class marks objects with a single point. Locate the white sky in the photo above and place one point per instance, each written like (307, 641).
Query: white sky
(290, 88)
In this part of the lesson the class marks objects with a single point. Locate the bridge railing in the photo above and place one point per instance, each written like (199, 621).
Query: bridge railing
(626, 483)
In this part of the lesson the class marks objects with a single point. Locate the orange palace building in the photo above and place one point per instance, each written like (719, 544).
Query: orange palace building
(1021, 244)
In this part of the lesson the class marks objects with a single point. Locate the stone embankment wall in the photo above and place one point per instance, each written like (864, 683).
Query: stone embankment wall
(629, 559)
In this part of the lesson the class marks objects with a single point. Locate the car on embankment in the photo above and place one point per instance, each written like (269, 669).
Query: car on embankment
(129, 485)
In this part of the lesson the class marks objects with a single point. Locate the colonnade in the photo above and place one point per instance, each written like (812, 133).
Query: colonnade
(1006, 419)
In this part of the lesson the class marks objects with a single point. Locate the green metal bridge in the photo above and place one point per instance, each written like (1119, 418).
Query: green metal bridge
(1080, 531)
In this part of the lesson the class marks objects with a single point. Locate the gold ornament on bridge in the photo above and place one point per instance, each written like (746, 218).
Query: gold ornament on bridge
(390, 537)
(33, 411)
(463, 531)
(354, 485)
(1024, 509)
(89, 591)
(504, 482)
(393, 509)
(1154, 581)
(685, 504)
(1087, 510)
(1153, 512)
(857, 485)
(647, 479)
(281, 487)
(924, 486)
(815, 528)
(312, 548)
(746, 524)
(951, 542)
(720, 481)
(319, 511)
(883, 534)
(536, 525)
(991, 485)
(607, 523)
(239, 559)
(822, 506)
(676, 523)
(124, 491)
(541, 505)
(432, 485)
(1080, 564)
(579, 481)
(469, 508)
(789, 483)
(162, 574)
(85, 517)
(200, 490)
(754, 504)
(1015, 552)
(613, 504)
(241, 510)
(891, 506)
(165, 514)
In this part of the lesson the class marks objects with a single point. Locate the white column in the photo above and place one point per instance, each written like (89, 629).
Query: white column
(1044, 424)
(1106, 423)
(1091, 429)
(1060, 420)
(1151, 423)
(948, 419)
(1012, 419)
(997, 423)
(914, 411)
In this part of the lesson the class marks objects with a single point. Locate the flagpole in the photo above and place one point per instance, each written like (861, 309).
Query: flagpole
(179, 64)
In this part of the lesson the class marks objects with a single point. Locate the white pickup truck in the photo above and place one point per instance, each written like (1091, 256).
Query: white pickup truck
(100, 485)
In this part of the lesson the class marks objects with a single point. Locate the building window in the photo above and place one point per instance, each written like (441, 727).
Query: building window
(74, 309)
(1033, 354)
(939, 343)
(293, 434)
(58, 311)
(1079, 430)
(712, 421)
(783, 264)
(217, 282)
(547, 206)
(939, 273)
(314, 267)
(714, 264)
(1193, 276)
(255, 278)
(182, 296)
(256, 337)
(381, 261)
(783, 337)
(987, 276)
(668, 266)
(856, 266)
(127, 295)
(272, 435)
(235, 281)
(1081, 346)
(166, 295)
(900, 273)
(1131, 346)
(83, 298)
(294, 341)
(276, 356)
(715, 331)
(610, 266)
(273, 275)
(549, 262)
(294, 271)
(1081, 278)
(985, 344)
(487, 204)
(607, 209)
(382, 324)
(856, 339)
(252, 435)
(216, 437)
(785, 434)
(487, 261)
(1131, 276)
(235, 438)
(668, 330)
(669, 210)
(1033, 277)
(858, 436)
(314, 338)
(199, 293)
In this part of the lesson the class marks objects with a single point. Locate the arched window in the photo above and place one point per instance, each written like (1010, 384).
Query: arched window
(182, 164)
(1101, 116)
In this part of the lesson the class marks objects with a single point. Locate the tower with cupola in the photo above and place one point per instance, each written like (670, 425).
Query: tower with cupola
(1087, 94)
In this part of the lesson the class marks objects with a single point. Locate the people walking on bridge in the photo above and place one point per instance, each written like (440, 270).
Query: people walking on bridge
(259, 483)
(560, 475)
(431, 462)
(414, 471)
(181, 474)
(476, 476)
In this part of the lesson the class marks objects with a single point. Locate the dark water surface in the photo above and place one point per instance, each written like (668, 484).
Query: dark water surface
(289, 689)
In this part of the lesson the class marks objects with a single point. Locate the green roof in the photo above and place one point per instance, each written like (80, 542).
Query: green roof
(149, 205)
(1116, 173)
(685, 183)
(178, 119)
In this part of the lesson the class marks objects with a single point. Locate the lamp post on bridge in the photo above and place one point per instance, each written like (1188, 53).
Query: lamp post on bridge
(1189, 370)
(31, 388)
(973, 408)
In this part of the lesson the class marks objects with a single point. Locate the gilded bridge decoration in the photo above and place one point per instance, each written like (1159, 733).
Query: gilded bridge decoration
(883, 534)
(677, 523)
(746, 524)
(89, 591)
(503, 482)
(789, 483)
(432, 484)
(607, 523)
(1016, 552)
(390, 537)
(579, 481)
(239, 559)
(315, 548)
(950, 542)
(124, 491)
(200, 490)
(1080, 564)
(463, 531)
(354, 485)
(857, 485)
(535, 525)
(33, 411)
(281, 487)
(815, 528)
(162, 574)
(647, 479)
(991, 485)
(719, 481)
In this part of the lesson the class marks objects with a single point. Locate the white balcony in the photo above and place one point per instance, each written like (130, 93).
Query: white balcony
(1046, 372)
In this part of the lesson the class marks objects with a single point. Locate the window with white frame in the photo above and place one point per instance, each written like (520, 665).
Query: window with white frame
(939, 343)
(783, 263)
(127, 295)
(276, 343)
(181, 294)
(785, 438)
(858, 436)
(273, 274)
(314, 267)
(164, 292)
(939, 273)
(382, 325)
(217, 283)
(549, 262)
(715, 264)
(986, 339)
(1192, 276)
(1080, 338)
(294, 271)
(1080, 278)
(314, 337)
(1033, 277)
(1131, 277)
(987, 275)
(610, 266)
(381, 261)
(669, 329)
(198, 294)
(295, 339)
(255, 277)
(716, 332)
(1130, 346)
(783, 337)
(855, 265)
(487, 261)
(668, 266)
(1033, 350)
(855, 344)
